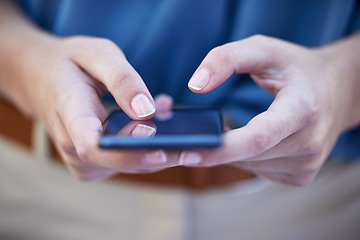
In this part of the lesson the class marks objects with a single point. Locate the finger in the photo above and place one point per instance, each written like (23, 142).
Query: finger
(82, 114)
(251, 55)
(163, 102)
(274, 177)
(283, 118)
(300, 165)
(98, 164)
(300, 180)
(86, 172)
(306, 143)
(79, 107)
(81, 171)
(84, 127)
(90, 173)
(104, 61)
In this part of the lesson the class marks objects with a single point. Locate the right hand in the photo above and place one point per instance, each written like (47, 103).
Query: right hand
(63, 81)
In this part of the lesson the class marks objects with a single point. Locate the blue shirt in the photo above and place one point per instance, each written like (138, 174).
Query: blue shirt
(165, 40)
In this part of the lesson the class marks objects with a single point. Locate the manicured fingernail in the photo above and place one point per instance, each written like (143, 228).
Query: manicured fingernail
(200, 79)
(142, 130)
(189, 158)
(155, 157)
(142, 105)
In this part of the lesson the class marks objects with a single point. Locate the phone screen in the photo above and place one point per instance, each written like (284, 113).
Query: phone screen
(179, 129)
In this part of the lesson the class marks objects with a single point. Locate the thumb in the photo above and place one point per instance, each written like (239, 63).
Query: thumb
(254, 55)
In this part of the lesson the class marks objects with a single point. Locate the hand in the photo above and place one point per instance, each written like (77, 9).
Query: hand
(290, 141)
(63, 82)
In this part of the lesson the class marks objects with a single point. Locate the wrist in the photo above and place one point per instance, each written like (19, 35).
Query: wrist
(342, 60)
(22, 43)
(23, 64)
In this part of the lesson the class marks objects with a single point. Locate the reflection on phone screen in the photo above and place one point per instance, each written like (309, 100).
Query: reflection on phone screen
(179, 122)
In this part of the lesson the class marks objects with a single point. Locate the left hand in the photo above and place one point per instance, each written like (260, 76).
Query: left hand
(290, 141)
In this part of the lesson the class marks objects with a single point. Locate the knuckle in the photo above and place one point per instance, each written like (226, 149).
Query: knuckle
(101, 44)
(301, 181)
(104, 42)
(258, 38)
(82, 44)
(81, 176)
(221, 54)
(261, 41)
(82, 171)
(66, 145)
(84, 152)
(118, 77)
(75, 168)
(313, 146)
(73, 41)
(296, 180)
(77, 43)
(308, 166)
(311, 110)
(261, 142)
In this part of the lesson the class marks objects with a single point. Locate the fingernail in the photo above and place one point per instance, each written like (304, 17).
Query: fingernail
(142, 130)
(142, 105)
(155, 157)
(189, 158)
(200, 79)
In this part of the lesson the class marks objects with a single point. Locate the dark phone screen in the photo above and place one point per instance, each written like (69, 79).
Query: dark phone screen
(178, 128)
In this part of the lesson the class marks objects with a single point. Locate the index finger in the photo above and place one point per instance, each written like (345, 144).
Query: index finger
(82, 114)
(105, 62)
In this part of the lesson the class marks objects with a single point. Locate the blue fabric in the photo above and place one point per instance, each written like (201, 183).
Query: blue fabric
(166, 40)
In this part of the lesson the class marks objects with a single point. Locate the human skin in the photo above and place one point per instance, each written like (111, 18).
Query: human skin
(60, 81)
(316, 94)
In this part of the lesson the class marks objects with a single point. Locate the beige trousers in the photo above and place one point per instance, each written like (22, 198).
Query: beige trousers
(41, 200)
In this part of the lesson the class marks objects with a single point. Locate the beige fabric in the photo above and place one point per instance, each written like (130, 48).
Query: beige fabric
(328, 209)
(41, 200)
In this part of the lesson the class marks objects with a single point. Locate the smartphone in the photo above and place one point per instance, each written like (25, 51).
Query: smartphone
(186, 128)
